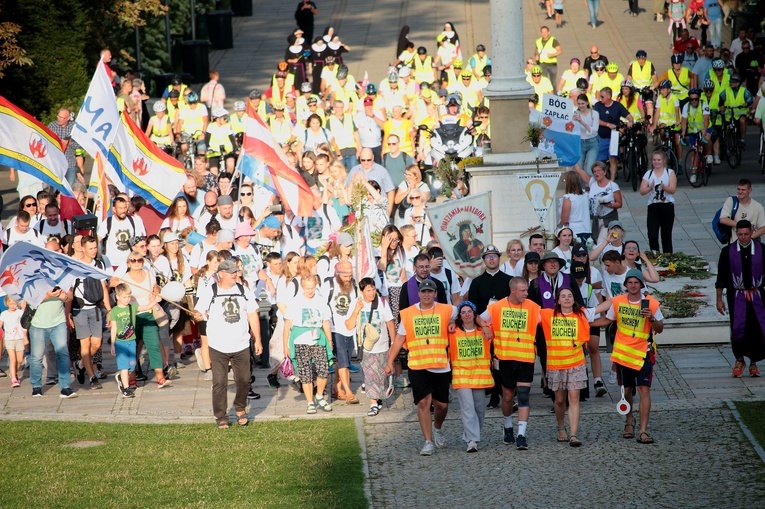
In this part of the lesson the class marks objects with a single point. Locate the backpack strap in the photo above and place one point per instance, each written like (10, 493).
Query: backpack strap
(331, 281)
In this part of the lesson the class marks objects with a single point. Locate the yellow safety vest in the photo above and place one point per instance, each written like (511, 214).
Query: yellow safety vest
(736, 99)
(713, 103)
(515, 328)
(564, 335)
(543, 87)
(194, 118)
(615, 84)
(471, 360)
(634, 108)
(282, 131)
(237, 123)
(667, 110)
(632, 331)
(342, 131)
(641, 76)
(720, 84)
(423, 69)
(680, 84)
(426, 336)
(289, 84)
(160, 130)
(549, 44)
(219, 136)
(695, 118)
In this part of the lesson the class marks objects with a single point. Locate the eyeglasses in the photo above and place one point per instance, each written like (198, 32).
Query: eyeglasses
(415, 198)
(536, 75)
(135, 260)
(392, 143)
(245, 194)
(366, 160)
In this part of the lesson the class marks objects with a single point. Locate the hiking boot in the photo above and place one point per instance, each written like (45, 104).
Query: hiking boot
(509, 437)
(738, 368)
(521, 444)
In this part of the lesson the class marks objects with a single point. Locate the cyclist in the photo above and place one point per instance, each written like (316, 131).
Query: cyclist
(423, 66)
(470, 90)
(631, 100)
(642, 74)
(541, 84)
(593, 91)
(681, 78)
(719, 75)
(569, 77)
(176, 83)
(668, 116)
(255, 99)
(192, 121)
(174, 105)
(695, 125)
(613, 78)
(279, 125)
(160, 127)
(739, 100)
(220, 141)
(712, 101)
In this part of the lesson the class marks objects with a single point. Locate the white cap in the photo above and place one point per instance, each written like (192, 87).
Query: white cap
(219, 112)
(404, 72)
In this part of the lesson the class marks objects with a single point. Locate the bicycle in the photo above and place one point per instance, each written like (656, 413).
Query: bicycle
(696, 164)
(730, 139)
(634, 158)
(666, 136)
(195, 144)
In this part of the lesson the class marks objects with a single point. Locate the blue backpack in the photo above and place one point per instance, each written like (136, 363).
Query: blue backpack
(723, 232)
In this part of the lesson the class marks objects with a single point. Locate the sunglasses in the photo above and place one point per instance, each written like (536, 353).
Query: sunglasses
(246, 194)
(415, 197)
(536, 75)
(29, 205)
(135, 260)
(366, 160)
(392, 143)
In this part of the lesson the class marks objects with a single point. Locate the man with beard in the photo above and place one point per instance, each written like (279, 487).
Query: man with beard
(117, 230)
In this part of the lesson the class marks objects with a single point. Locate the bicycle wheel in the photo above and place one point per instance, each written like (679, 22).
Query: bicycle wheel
(694, 168)
(672, 161)
(733, 149)
(634, 157)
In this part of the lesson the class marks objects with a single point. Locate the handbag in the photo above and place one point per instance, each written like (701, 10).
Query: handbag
(26, 317)
(371, 334)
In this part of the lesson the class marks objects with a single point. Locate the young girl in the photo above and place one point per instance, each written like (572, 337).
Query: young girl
(562, 248)
(15, 338)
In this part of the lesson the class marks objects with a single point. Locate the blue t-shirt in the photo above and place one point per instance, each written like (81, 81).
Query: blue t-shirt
(610, 115)
(714, 11)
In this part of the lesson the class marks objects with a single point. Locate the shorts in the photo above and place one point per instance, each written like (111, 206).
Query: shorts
(125, 351)
(202, 328)
(14, 345)
(567, 379)
(342, 346)
(312, 363)
(558, 11)
(87, 323)
(604, 149)
(513, 372)
(426, 383)
(629, 377)
(595, 331)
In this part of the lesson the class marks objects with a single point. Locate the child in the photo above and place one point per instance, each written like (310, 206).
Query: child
(558, 9)
(15, 338)
(122, 323)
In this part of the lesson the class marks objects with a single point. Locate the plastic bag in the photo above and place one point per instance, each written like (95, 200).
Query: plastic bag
(287, 369)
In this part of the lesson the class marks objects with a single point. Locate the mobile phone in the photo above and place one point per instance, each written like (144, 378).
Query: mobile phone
(55, 289)
(644, 304)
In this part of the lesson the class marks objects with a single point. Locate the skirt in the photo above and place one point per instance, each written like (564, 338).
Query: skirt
(567, 379)
(373, 366)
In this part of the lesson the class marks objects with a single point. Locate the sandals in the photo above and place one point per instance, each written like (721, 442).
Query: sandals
(373, 410)
(311, 408)
(629, 434)
(323, 404)
(351, 399)
(242, 419)
(564, 437)
(574, 441)
(222, 423)
(644, 438)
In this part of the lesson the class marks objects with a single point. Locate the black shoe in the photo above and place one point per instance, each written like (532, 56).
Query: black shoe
(95, 384)
(37, 392)
(253, 395)
(493, 401)
(140, 377)
(509, 438)
(80, 372)
(600, 389)
(273, 381)
(521, 443)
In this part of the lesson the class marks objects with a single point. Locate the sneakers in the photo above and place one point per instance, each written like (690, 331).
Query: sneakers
(170, 371)
(68, 393)
(161, 384)
(95, 384)
(693, 178)
(738, 368)
(208, 375)
(119, 382)
(754, 371)
(600, 389)
(15, 382)
(253, 395)
(311, 408)
(128, 393)
(612, 380)
(200, 361)
(472, 446)
(322, 403)
(140, 376)
(273, 381)
(80, 372)
(710, 159)
(37, 392)
(179, 365)
(401, 382)
(509, 437)
(438, 438)
(100, 374)
(427, 449)
(353, 368)
(717, 160)
(521, 444)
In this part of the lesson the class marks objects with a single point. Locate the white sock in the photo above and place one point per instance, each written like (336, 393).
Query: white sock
(522, 427)
(598, 380)
(509, 421)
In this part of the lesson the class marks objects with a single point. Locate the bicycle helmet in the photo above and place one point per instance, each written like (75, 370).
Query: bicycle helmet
(708, 85)
(342, 72)
(536, 69)
(453, 99)
(159, 106)
(641, 53)
(329, 60)
(487, 70)
(612, 67)
(599, 65)
(466, 74)
(677, 58)
(717, 63)
(735, 77)
(176, 80)
(239, 106)
(305, 87)
(582, 84)
(254, 94)
(281, 66)
(665, 84)
(312, 100)
(627, 83)
(422, 50)
(174, 94)
(695, 91)
(371, 89)
(457, 64)
(192, 97)
(277, 106)
(392, 77)
(219, 112)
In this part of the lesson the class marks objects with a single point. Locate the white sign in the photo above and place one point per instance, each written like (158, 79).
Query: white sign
(540, 190)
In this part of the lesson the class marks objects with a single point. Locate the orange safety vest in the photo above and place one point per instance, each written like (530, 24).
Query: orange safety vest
(426, 336)
(565, 335)
(632, 331)
(515, 328)
(471, 361)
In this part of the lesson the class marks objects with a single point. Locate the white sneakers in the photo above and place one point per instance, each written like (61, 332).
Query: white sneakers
(472, 446)
(427, 449)
(710, 159)
(438, 438)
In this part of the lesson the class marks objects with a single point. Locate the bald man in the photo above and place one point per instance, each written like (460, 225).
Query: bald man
(368, 169)
(205, 213)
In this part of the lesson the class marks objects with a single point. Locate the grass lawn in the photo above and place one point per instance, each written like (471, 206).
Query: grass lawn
(290, 464)
(753, 414)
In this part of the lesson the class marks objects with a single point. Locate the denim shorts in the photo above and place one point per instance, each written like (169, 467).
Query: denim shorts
(343, 350)
(125, 351)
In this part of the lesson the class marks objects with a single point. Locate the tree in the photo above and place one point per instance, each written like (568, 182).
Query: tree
(10, 51)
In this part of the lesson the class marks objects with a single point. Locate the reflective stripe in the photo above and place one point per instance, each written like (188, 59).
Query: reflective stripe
(423, 70)
(426, 336)
(160, 131)
(680, 86)
(514, 330)
(632, 331)
(564, 335)
(470, 359)
(695, 118)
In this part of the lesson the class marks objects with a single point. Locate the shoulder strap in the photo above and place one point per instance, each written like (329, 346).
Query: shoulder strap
(331, 281)
(108, 227)
(735, 207)
(297, 287)
(8, 235)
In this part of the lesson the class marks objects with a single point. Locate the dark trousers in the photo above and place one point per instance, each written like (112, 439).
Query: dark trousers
(240, 365)
(661, 218)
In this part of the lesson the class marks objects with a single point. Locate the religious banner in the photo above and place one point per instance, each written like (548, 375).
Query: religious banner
(463, 228)
(540, 190)
(562, 139)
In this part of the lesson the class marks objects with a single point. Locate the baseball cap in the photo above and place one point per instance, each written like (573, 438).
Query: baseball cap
(170, 237)
(428, 285)
(368, 101)
(270, 222)
(615, 224)
(225, 200)
(531, 256)
(578, 270)
(344, 239)
(578, 249)
(228, 266)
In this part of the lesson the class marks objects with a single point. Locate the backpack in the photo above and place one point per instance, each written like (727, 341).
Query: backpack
(109, 226)
(215, 293)
(723, 232)
(92, 290)
(7, 242)
(331, 282)
(43, 222)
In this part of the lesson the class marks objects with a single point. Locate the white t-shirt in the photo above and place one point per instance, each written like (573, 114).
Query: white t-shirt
(198, 256)
(613, 284)
(451, 284)
(379, 320)
(117, 247)
(228, 330)
(12, 324)
(177, 225)
(510, 271)
(32, 236)
(341, 305)
(658, 195)
(304, 312)
(606, 192)
(251, 261)
(566, 255)
(579, 213)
